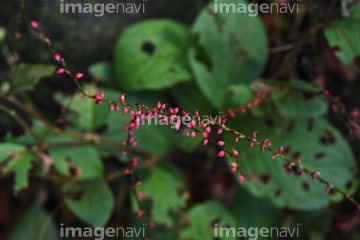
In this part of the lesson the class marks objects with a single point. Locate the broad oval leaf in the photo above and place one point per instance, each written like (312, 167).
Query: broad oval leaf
(232, 49)
(95, 205)
(321, 147)
(152, 55)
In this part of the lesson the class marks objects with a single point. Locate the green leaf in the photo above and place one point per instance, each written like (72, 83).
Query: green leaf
(151, 55)
(201, 218)
(20, 165)
(25, 76)
(87, 114)
(321, 147)
(250, 211)
(232, 49)
(343, 36)
(95, 205)
(162, 187)
(7, 149)
(86, 158)
(102, 71)
(34, 225)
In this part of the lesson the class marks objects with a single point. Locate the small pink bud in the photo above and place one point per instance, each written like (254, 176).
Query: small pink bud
(219, 131)
(122, 98)
(206, 141)
(313, 174)
(236, 139)
(134, 162)
(78, 75)
(354, 114)
(208, 129)
(205, 134)
(57, 57)
(281, 149)
(253, 134)
(241, 178)
(221, 143)
(125, 110)
(231, 113)
(34, 24)
(273, 156)
(196, 113)
(60, 71)
(221, 153)
(235, 153)
(111, 107)
(101, 95)
(127, 171)
(251, 144)
(288, 166)
(298, 160)
(98, 102)
(193, 134)
(328, 189)
(140, 213)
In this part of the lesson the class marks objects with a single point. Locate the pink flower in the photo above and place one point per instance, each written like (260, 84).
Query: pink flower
(140, 213)
(205, 134)
(78, 75)
(122, 98)
(34, 24)
(253, 134)
(241, 178)
(221, 153)
(281, 149)
(235, 153)
(60, 71)
(125, 110)
(313, 174)
(288, 166)
(57, 57)
(134, 162)
(231, 113)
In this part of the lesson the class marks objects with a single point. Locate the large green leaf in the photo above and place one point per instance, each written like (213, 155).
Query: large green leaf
(343, 36)
(232, 49)
(35, 225)
(20, 165)
(162, 187)
(202, 217)
(85, 158)
(250, 211)
(152, 55)
(321, 147)
(25, 76)
(95, 205)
